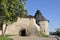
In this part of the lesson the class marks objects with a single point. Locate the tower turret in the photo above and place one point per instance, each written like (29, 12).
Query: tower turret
(42, 22)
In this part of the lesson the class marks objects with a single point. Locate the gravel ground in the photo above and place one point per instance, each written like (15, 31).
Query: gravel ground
(32, 38)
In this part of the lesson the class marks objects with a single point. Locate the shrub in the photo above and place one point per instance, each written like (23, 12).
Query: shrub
(42, 34)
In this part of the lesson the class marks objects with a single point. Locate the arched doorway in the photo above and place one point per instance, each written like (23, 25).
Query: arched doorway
(23, 32)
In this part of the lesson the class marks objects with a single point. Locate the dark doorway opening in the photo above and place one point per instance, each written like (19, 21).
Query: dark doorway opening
(23, 32)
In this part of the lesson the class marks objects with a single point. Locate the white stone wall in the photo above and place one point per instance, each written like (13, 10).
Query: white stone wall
(25, 23)
(29, 24)
(0, 32)
(44, 27)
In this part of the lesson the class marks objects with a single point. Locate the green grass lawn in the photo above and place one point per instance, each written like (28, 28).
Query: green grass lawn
(43, 35)
(7, 35)
(5, 38)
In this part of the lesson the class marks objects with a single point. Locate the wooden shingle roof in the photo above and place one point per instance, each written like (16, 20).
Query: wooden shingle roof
(39, 16)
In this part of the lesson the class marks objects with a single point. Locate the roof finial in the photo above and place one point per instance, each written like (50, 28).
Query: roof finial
(38, 11)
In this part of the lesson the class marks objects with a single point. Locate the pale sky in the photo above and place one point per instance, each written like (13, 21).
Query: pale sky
(50, 9)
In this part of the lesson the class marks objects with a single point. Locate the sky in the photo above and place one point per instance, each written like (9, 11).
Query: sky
(50, 9)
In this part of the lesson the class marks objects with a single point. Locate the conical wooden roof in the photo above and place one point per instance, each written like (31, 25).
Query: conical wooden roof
(39, 16)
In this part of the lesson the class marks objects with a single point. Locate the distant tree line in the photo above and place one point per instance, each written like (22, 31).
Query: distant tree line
(56, 33)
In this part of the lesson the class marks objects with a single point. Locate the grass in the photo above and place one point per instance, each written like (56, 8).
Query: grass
(43, 35)
(7, 35)
(5, 38)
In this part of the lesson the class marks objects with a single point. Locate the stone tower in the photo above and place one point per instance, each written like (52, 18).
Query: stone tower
(42, 22)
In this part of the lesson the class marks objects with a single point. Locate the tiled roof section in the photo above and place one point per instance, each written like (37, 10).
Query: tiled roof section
(30, 16)
(39, 16)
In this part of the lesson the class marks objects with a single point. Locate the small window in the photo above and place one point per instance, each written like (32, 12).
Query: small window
(44, 30)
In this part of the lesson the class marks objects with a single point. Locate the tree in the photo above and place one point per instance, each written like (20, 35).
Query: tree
(23, 12)
(9, 11)
(57, 32)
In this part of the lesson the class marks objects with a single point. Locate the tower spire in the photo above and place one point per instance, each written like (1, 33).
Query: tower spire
(39, 16)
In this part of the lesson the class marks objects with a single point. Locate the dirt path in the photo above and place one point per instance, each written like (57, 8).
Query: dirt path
(32, 38)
